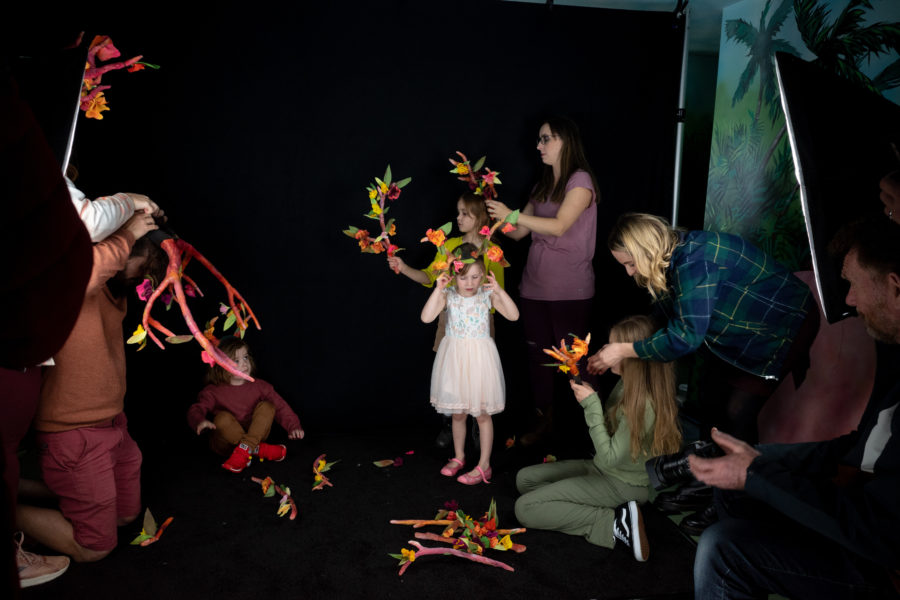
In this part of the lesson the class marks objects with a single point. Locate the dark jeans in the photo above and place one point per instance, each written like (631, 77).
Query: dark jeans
(754, 550)
(545, 323)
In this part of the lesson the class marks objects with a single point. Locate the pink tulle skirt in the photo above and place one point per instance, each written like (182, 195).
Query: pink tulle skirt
(467, 377)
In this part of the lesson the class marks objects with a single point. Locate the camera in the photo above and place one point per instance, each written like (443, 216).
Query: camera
(671, 469)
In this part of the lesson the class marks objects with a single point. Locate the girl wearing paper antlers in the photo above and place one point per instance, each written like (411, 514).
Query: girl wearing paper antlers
(467, 377)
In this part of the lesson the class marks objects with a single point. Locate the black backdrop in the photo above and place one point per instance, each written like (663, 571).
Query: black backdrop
(261, 130)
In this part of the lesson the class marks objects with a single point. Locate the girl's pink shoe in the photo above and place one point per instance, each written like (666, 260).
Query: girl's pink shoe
(452, 467)
(478, 477)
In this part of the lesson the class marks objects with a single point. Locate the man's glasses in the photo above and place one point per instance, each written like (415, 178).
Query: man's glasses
(545, 139)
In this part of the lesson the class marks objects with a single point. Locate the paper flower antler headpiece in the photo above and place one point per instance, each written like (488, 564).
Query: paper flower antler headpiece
(381, 190)
(482, 184)
(93, 102)
(238, 311)
(568, 357)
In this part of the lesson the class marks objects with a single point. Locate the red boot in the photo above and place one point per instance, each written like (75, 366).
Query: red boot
(272, 452)
(239, 459)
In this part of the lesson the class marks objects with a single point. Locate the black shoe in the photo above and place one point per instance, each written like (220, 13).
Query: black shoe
(695, 524)
(690, 496)
(445, 438)
(628, 527)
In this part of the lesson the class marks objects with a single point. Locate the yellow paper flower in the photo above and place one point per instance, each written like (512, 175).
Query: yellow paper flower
(376, 208)
(384, 188)
(408, 555)
(506, 542)
(317, 478)
(462, 169)
(373, 193)
(97, 106)
(322, 464)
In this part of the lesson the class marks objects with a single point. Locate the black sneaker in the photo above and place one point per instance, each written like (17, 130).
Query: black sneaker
(697, 522)
(628, 527)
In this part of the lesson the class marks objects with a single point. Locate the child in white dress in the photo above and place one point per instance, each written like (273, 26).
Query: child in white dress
(467, 378)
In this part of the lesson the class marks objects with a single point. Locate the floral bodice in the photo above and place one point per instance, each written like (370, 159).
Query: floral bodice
(468, 317)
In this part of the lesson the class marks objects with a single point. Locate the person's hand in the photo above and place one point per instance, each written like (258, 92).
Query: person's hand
(582, 390)
(491, 283)
(608, 356)
(442, 281)
(296, 434)
(140, 224)
(205, 424)
(395, 263)
(890, 195)
(497, 209)
(727, 472)
(144, 204)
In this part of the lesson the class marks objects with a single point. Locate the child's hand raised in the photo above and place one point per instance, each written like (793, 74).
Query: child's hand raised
(395, 263)
(491, 283)
(442, 281)
(205, 424)
(296, 434)
(582, 390)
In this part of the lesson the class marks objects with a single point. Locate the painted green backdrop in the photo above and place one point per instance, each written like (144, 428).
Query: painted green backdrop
(752, 189)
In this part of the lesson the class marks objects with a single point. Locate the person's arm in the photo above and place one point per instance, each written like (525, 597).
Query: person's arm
(695, 289)
(500, 299)
(863, 516)
(284, 414)
(103, 216)
(521, 230)
(111, 254)
(400, 267)
(610, 450)
(574, 203)
(436, 301)
(198, 411)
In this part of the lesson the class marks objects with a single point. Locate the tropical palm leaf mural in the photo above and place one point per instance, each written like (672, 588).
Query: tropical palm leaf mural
(752, 190)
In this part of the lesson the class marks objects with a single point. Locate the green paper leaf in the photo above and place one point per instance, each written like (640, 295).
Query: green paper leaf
(149, 523)
(403, 182)
(447, 227)
(387, 175)
(397, 556)
(229, 321)
(179, 339)
(379, 182)
(383, 463)
(512, 217)
(270, 492)
(479, 164)
(140, 538)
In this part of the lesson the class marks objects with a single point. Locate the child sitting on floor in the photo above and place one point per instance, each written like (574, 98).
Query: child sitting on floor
(597, 498)
(242, 411)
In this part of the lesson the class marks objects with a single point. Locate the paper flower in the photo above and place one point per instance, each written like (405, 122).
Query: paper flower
(286, 503)
(435, 236)
(494, 254)
(320, 465)
(568, 357)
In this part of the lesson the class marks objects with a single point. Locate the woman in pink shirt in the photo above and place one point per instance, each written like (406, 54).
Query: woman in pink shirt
(557, 286)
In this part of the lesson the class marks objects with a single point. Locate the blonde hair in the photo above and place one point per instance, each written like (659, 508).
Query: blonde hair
(650, 241)
(643, 380)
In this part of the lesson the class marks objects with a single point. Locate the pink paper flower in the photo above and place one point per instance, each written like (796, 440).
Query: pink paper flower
(485, 230)
(508, 227)
(205, 357)
(458, 265)
(144, 290)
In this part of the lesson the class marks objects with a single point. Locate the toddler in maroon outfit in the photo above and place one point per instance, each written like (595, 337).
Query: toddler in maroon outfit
(242, 412)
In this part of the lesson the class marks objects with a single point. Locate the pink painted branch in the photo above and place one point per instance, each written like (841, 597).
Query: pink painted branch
(95, 73)
(421, 522)
(423, 551)
(420, 535)
(232, 293)
(192, 282)
(86, 100)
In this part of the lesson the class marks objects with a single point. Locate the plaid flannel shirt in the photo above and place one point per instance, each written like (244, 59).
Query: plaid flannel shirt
(734, 297)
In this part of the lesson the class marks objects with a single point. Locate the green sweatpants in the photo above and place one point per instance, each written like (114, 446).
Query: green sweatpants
(574, 497)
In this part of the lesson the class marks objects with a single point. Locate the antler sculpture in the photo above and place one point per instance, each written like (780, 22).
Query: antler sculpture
(180, 254)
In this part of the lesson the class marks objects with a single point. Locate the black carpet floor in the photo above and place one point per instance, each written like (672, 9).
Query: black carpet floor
(226, 540)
